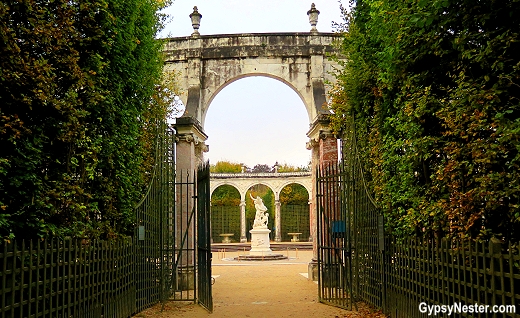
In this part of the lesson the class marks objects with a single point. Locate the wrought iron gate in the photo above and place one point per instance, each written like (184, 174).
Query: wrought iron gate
(153, 250)
(172, 251)
(204, 281)
(334, 244)
(350, 233)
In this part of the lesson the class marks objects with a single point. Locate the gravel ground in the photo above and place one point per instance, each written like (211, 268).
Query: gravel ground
(260, 289)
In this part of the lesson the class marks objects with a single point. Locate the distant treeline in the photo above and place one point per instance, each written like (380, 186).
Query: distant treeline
(234, 167)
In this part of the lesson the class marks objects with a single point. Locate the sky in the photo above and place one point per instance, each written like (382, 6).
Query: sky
(255, 120)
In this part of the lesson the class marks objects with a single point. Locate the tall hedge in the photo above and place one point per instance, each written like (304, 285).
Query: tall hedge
(80, 84)
(434, 90)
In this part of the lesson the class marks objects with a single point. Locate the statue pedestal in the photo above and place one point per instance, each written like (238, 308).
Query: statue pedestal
(260, 245)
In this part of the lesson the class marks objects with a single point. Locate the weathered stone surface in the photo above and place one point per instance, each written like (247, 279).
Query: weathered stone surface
(207, 64)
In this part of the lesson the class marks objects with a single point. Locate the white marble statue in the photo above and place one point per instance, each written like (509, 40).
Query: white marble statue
(261, 217)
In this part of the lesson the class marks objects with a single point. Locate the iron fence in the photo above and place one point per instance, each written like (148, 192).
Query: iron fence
(295, 219)
(89, 278)
(350, 232)
(402, 278)
(67, 278)
(443, 272)
(357, 263)
(225, 219)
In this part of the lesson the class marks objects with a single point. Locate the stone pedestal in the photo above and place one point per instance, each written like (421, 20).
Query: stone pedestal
(260, 245)
(312, 270)
(186, 278)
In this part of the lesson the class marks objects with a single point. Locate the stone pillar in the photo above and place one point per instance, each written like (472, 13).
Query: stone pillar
(324, 146)
(189, 154)
(190, 138)
(277, 221)
(313, 265)
(243, 237)
(311, 207)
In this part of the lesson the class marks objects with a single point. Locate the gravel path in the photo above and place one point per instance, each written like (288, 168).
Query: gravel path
(260, 289)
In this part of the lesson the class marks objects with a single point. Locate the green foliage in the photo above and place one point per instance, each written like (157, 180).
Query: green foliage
(290, 168)
(226, 167)
(225, 212)
(294, 194)
(79, 98)
(233, 167)
(434, 88)
(225, 219)
(225, 195)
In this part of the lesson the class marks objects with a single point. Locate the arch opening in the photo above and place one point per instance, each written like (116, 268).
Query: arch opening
(225, 214)
(267, 195)
(257, 120)
(261, 76)
(294, 213)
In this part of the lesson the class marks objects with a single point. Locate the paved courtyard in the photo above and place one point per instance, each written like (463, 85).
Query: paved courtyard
(260, 289)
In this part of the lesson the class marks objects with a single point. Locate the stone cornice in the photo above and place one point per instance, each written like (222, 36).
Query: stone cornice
(189, 130)
(319, 129)
(259, 175)
(249, 45)
(275, 181)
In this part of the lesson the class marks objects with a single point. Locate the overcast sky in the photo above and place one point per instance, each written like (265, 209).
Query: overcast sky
(255, 120)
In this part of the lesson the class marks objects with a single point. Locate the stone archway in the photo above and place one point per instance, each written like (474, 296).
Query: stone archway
(207, 64)
(275, 181)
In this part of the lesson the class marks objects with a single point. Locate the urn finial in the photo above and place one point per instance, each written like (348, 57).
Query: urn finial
(313, 17)
(195, 17)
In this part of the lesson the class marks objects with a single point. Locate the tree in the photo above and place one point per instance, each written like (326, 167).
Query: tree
(226, 167)
(434, 87)
(294, 194)
(78, 84)
(290, 168)
(225, 195)
(261, 168)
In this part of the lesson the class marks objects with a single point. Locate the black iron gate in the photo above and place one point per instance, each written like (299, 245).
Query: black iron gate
(172, 251)
(204, 280)
(350, 233)
(153, 250)
(334, 244)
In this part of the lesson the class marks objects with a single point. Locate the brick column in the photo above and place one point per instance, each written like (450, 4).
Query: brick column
(324, 146)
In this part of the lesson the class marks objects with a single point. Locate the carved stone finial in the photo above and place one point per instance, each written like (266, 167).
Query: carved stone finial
(195, 17)
(313, 17)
